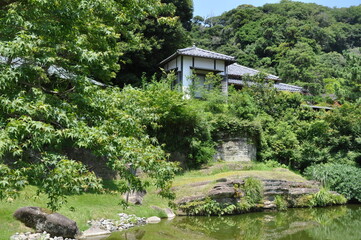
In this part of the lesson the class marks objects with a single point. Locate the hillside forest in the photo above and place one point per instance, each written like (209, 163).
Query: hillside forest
(84, 75)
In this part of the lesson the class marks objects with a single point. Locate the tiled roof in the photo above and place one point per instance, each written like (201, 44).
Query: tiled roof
(288, 87)
(240, 82)
(238, 70)
(278, 86)
(199, 52)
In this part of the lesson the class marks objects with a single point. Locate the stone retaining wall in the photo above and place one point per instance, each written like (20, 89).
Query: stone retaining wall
(236, 150)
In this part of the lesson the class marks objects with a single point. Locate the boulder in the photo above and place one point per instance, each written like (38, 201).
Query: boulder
(153, 219)
(95, 231)
(221, 190)
(269, 205)
(43, 220)
(169, 212)
(135, 197)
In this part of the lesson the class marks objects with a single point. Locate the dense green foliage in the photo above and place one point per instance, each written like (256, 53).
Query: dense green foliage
(320, 199)
(344, 179)
(284, 129)
(55, 56)
(159, 39)
(304, 43)
(48, 50)
(253, 195)
(253, 190)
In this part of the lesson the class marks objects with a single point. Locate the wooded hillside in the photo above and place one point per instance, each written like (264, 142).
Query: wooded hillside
(303, 43)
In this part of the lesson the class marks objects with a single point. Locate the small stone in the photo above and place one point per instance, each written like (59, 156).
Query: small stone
(153, 219)
(170, 213)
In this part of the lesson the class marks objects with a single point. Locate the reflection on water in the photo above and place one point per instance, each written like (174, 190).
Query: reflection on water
(341, 223)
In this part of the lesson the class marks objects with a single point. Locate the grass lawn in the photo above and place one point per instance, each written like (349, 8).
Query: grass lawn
(82, 208)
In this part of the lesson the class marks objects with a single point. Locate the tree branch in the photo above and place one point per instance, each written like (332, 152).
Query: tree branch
(4, 3)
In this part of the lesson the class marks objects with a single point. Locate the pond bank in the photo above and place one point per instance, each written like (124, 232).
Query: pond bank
(197, 183)
(333, 223)
(242, 191)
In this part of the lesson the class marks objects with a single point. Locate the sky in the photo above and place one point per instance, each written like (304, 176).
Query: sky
(211, 8)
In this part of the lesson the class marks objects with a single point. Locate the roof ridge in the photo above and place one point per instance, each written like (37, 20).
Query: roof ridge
(203, 50)
(185, 49)
(290, 85)
(208, 51)
(252, 69)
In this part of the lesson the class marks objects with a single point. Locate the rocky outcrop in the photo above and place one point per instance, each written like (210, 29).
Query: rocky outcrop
(43, 220)
(236, 150)
(275, 193)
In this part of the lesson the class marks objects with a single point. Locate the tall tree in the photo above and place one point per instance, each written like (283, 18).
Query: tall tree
(51, 53)
(161, 40)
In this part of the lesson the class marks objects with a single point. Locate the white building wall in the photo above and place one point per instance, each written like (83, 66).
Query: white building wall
(189, 63)
(172, 64)
(220, 66)
(203, 63)
(187, 71)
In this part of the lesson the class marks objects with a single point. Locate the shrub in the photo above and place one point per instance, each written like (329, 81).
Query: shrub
(341, 178)
(207, 207)
(320, 199)
(253, 190)
(281, 203)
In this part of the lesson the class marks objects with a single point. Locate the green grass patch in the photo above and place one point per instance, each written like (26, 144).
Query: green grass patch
(80, 208)
(280, 174)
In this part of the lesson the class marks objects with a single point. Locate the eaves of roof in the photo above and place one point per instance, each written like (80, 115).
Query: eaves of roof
(236, 70)
(199, 52)
(277, 86)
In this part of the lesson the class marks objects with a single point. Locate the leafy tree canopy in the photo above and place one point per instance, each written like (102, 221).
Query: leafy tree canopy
(51, 51)
(297, 41)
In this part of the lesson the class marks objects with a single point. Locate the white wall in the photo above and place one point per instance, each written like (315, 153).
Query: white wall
(187, 71)
(203, 63)
(186, 64)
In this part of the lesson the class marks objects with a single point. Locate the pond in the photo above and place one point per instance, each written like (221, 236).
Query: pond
(341, 222)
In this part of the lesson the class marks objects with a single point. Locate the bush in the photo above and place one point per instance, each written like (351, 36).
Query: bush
(344, 179)
(253, 190)
(207, 207)
(320, 199)
(281, 203)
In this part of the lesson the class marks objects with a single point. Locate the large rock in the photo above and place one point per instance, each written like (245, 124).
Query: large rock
(229, 190)
(169, 212)
(41, 220)
(222, 190)
(95, 231)
(135, 197)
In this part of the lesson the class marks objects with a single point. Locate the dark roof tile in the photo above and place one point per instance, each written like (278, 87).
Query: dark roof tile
(278, 86)
(236, 69)
(198, 52)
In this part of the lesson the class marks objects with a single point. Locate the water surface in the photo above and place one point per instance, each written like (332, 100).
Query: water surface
(331, 223)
